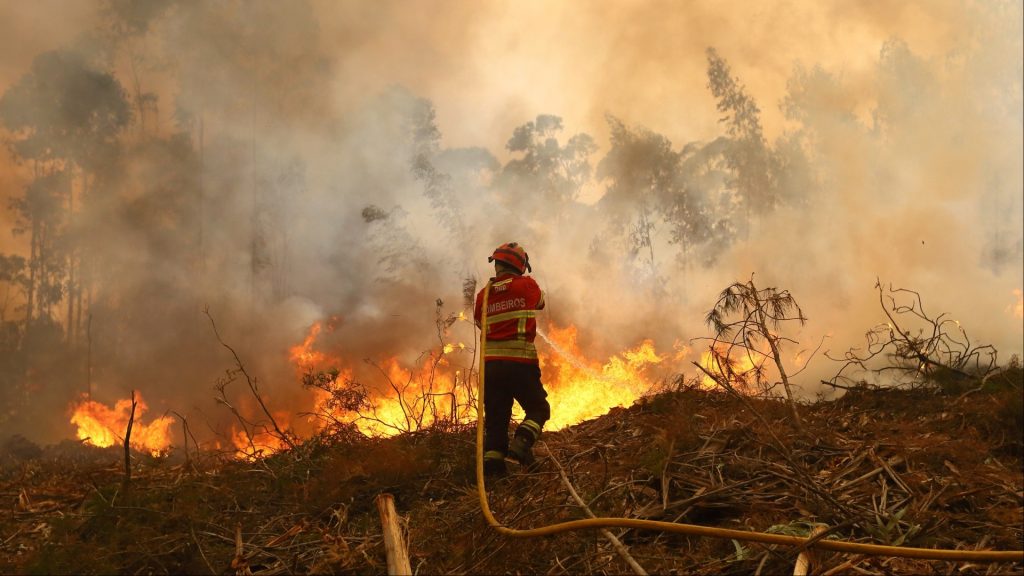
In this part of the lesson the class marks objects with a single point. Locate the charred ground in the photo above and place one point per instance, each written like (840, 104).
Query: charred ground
(935, 466)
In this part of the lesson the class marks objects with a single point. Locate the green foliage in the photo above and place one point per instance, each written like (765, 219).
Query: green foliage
(796, 528)
(892, 529)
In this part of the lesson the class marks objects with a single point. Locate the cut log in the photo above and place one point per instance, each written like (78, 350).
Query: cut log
(394, 542)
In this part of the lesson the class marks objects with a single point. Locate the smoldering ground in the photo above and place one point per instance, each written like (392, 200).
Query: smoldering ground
(283, 163)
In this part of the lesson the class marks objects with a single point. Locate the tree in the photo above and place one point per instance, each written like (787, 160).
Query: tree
(65, 116)
(12, 276)
(550, 174)
(746, 151)
(641, 170)
(437, 184)
(65, 111)
(702, 217)
(39, 212)
(909, 91)
(744, 318)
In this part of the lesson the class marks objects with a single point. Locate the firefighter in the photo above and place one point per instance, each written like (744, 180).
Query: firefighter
(512, 371)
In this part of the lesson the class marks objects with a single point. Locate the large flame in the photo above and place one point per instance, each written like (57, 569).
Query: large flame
(398, 399)
(404, 398)
(395, 397)
(580, 388)
(103, 426)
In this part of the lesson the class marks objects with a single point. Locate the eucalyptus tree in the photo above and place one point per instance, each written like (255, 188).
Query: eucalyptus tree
(64, 116)
(545, 175)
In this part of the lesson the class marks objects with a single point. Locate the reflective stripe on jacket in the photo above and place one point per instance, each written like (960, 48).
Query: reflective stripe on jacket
(511, 318)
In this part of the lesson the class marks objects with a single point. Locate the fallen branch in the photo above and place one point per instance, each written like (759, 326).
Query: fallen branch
(616, 543)
(283, 436)
(240, 564)
(941, 348)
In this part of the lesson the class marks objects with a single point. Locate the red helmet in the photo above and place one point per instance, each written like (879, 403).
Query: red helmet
(512, 254)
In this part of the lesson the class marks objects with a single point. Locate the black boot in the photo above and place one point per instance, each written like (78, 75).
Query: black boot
(495, 468)
(520, 449)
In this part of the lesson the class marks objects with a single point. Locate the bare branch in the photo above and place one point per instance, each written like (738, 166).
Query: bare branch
(280, 434)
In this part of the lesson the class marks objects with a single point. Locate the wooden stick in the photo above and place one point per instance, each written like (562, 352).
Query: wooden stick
(895, 460)
(803, 561)
(127, 447)
(849, 564)
(616, 543)
(892, 473)
(664, 475)
(240, 564)
(394, 543)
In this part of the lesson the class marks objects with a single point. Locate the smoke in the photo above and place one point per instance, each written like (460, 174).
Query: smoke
(287, 163)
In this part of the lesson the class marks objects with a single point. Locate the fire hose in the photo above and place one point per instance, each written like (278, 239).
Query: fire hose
(694, 529)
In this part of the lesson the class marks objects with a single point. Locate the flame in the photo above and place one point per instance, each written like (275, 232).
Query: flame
(401, 398)
(303, 356)
(1018, 307)
(393, 396)
(580, 388)
(741, 365)
(416, 398)
(103, 426)
(406, 397)
(264, 441)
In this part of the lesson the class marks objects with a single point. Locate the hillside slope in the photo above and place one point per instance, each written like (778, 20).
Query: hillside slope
(917, 468)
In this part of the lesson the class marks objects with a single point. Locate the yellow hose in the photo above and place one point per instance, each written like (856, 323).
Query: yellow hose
(693, 529)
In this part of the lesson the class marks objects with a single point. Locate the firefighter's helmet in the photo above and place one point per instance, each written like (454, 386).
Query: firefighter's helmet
(512, 254)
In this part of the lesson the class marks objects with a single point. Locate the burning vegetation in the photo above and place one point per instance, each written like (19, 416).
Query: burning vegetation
(935, 465)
